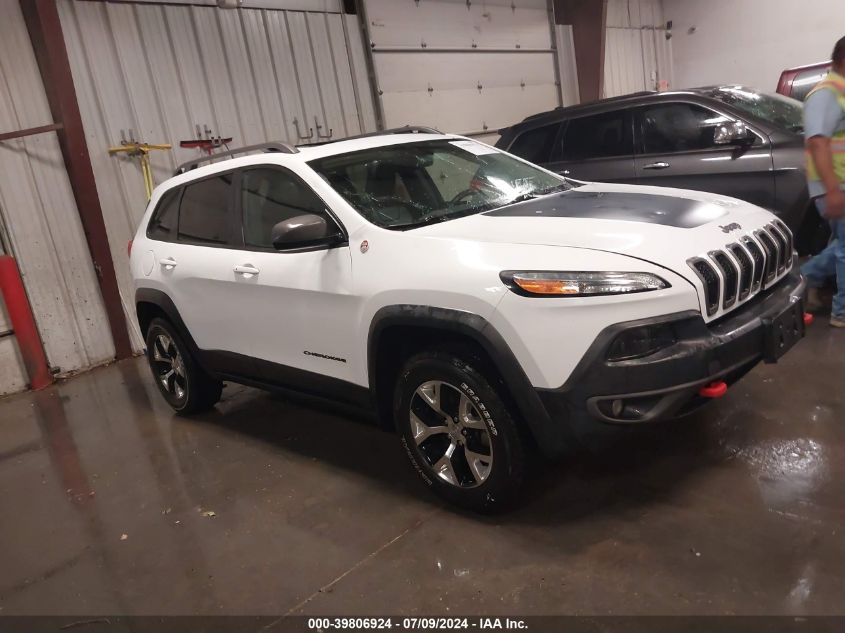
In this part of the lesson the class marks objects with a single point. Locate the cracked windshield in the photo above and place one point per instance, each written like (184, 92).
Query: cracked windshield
(777, 109)
(414, 184)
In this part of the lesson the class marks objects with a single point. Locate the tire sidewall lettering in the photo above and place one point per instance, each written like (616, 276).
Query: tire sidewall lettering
(488, 419)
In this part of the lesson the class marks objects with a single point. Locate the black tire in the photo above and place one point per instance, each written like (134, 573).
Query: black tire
(190, 389)
(483, 487)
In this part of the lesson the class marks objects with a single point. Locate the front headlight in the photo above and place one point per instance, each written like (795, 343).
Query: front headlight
(579, 284)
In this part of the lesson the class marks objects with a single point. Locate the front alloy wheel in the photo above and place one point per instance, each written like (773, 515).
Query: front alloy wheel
(458, 432)
(451, 434)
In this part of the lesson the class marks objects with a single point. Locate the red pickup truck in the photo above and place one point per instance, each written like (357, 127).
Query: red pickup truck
(797, 82)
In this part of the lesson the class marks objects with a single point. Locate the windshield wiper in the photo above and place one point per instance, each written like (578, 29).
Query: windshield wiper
(433, 219)
(564, 186)
(522, 198)
(531, 195)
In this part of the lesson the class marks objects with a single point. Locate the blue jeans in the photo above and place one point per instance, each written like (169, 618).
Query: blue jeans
(830, 262)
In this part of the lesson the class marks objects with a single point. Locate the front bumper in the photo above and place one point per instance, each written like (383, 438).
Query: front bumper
(666, 384)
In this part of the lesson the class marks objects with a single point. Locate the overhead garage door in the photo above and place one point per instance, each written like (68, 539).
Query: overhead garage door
(171, 72)
(462, 66)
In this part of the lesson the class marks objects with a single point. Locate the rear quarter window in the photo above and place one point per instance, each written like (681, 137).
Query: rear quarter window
(204, 212)
(164, 218)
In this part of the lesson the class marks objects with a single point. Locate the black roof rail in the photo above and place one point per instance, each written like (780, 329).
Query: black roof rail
(405, 129)
(577, 107)
(282, 148)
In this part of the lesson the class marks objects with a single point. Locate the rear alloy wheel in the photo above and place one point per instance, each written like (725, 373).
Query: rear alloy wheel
(168, 367)
(185, 386)
(458, 433)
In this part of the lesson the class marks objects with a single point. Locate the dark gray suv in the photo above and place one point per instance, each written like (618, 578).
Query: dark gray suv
(724, 139)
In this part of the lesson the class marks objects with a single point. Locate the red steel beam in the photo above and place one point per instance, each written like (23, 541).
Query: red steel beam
(30, 131)
(45, 33)
(588, 19)
(23, 324)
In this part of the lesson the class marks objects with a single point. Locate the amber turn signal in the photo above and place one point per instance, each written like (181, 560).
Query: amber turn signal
(579, 284)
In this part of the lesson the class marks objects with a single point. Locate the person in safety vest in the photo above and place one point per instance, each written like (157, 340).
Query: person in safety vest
(824, 131)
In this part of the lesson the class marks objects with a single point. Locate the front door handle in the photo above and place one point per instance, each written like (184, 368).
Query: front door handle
(168, 262)
(660, 165)
(246, 269)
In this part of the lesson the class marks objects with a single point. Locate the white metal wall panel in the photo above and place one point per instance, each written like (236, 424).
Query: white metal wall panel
(570, 93)
(462, 67)
(162, 70)
(637, 53)
(41, 218)
(360, 74)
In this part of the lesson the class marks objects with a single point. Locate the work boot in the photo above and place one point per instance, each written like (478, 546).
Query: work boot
(814, 300)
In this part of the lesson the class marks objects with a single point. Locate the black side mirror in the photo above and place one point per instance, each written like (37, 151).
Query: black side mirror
(302, 231)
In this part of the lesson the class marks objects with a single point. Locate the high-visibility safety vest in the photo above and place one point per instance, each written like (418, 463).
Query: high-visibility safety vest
(836, 83)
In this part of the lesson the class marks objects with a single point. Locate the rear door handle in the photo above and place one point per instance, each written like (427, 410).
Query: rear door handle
(246, 269)
(660, 165)
(168, 262)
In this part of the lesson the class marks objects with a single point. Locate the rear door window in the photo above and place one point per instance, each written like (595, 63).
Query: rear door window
(535, 145)
(605, 135)
(164, 218)
(205, 215)
(668, 128)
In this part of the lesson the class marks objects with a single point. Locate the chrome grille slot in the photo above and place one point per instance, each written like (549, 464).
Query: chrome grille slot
(759, 259)
(710, 280)
(790, 245)
(730, 274)
(746, 269)
(771, 255)
(783, 252)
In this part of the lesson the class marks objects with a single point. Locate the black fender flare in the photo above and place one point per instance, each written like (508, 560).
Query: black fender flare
(163, 301)
(475, 327)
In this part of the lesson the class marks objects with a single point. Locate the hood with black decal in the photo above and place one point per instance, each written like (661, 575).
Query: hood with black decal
(660, 225)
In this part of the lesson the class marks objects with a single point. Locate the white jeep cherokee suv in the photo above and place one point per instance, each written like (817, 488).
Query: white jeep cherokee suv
(479, 303)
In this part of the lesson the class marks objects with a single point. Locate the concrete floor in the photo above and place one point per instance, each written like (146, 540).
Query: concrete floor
(738, 510)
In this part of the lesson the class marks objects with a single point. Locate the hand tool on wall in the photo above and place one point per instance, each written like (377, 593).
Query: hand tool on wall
(141, 150)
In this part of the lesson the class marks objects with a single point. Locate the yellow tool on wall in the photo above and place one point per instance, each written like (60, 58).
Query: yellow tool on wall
(135, 148)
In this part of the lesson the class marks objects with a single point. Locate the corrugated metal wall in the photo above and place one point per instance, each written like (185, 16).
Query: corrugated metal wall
(12, 375)
(463, 67)
(161, 71)
(637, 54)
(40, 216)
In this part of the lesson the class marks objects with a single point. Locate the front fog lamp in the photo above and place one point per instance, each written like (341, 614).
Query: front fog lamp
(580, 284)
(642, 341)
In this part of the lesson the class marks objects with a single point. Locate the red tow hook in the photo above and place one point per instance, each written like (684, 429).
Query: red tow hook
(714, 390)
(808, 319)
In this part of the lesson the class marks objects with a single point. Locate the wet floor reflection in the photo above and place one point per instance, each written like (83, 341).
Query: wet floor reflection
(120, 507)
